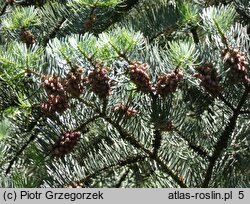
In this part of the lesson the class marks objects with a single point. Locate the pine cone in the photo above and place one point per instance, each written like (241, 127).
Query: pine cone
(209, 80)
(53, 85)
(66, 143)
(27, 37)
(100, 82)
(167, 83)
(238, 63)
(138, 75)
(55, 103)
(125, 110)
(73, 83)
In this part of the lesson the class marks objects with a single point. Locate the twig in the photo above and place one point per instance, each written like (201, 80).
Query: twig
(245, 112)
(53, 33)
(157, 132)
(120, 163)
(221, 97)
(195, 148)
(157, 142)
(31, 139)
(123, 177)
(120, 10)
(194, 32)
(89, 22)
(4, 9)
(83, 125)
(130, 138)
(224, 138)
(166, 31)
(91, 105)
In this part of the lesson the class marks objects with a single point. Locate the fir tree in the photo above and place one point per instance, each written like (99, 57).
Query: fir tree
(124, 93)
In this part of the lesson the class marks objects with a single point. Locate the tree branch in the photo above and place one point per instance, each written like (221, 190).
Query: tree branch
(128, 137)
(120, 163)
(194, 147)
(222, 98)
(157, 142)
(245, 112)
(166, 31)
(53, 33)
(123, 177)
(224, 138)
(195, 35)
(121, 10)
(4, 9)
(83, 125)
(31, 139)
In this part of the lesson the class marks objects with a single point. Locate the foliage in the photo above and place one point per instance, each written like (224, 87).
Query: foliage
(132, 93)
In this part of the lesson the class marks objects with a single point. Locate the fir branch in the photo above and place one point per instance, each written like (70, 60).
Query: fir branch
(222, 35)
(4, 9)
(31, 139)
(198, 150)
(91, 105)
(157, 142)
(120, 163)
(54, 31)
(157, 133)
(89, 58)
(243, 14)
(122, 55)
(224, 100)
(245, 112)
(83, 125)
(166, 32)
(121, 10)
(104, 105)
(130, 138)
(123, 177)
(127, 136)
(194, 147)
(89, 22)
(224, 138)
(195, 35)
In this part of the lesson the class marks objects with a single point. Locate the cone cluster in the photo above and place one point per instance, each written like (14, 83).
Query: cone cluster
(168, 83)
(27, 37)
(238, 63)
(60, 90)
(57, 100)
(73, 83)
(66, 143)
(55, 103)
(209, 80)
(138, 75)
(53, 84)
(123, 109)
(100, 82)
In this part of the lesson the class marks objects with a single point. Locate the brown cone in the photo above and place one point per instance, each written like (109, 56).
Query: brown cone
(66, 143)
(100, 82)
(138, 75)
(167, 83)
(209, 80)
